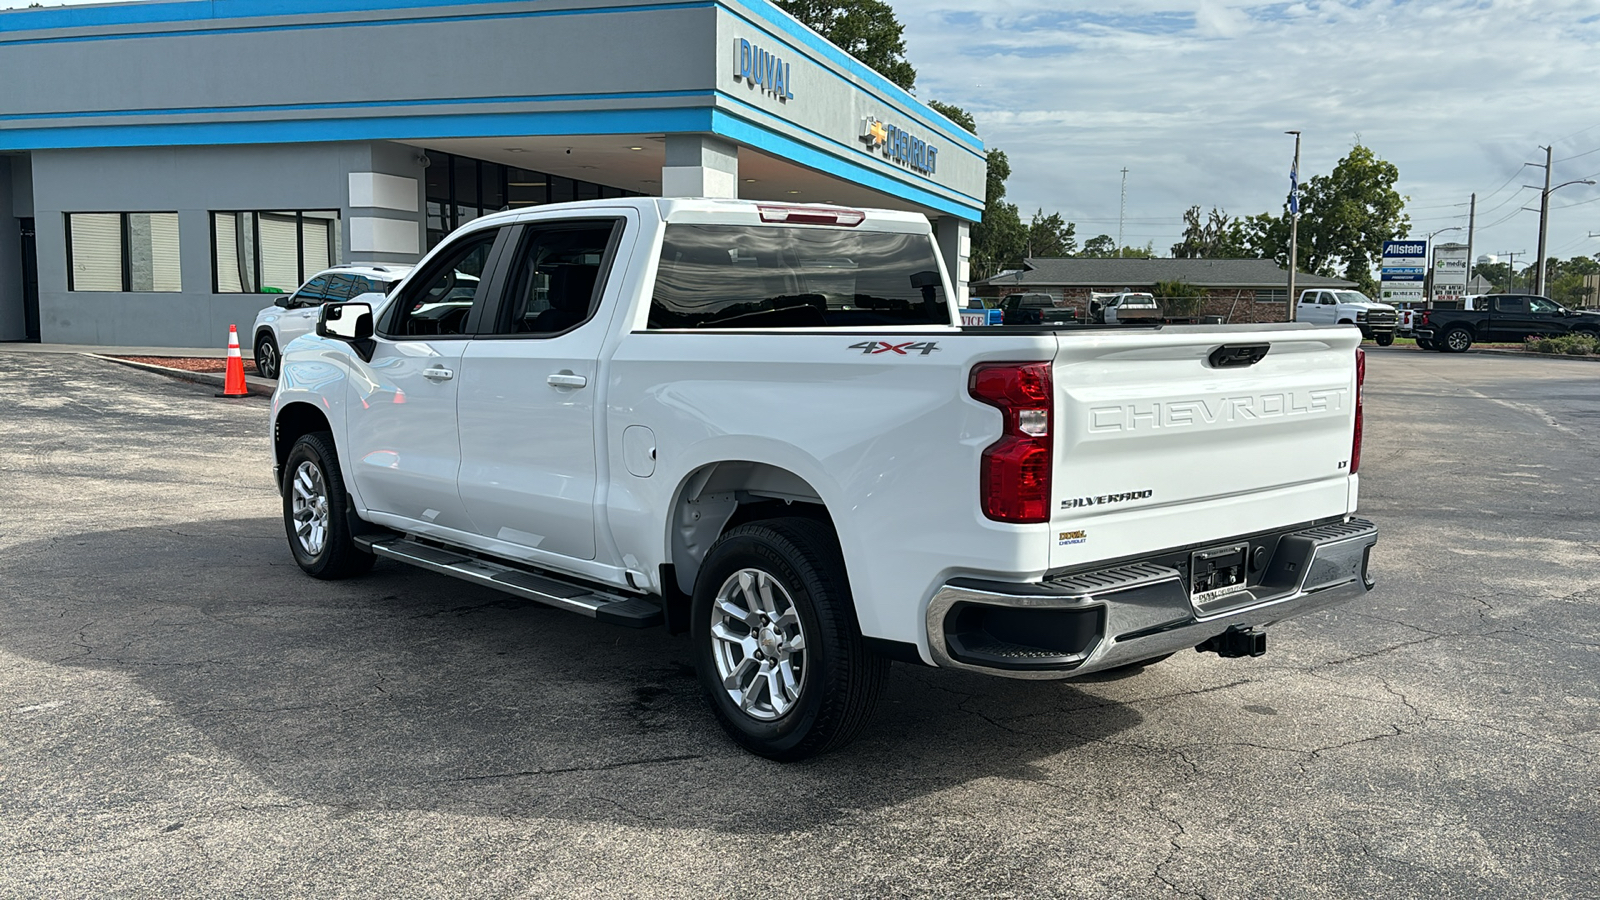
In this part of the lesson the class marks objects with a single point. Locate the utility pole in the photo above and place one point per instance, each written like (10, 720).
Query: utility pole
(1122, 211)
(1294, 222)
(1511, 268)
(1544, 221)
(1472, 221)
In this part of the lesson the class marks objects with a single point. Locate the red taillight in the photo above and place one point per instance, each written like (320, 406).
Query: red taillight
(1014, 480)
(1424, 317)
(1361, 379)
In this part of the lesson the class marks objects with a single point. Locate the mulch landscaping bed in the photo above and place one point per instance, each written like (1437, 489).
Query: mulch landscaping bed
(190, 363)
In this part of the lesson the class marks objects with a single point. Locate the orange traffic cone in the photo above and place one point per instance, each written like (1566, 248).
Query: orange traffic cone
(233, 385)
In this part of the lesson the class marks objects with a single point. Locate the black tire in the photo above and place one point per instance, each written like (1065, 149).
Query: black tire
(311, 474)
(1384, 339)
(1424, 345)
(1456, 340)
(268, 359)
(839, 680)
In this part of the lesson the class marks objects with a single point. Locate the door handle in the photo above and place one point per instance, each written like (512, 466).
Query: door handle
(567, 380)
(438, 373)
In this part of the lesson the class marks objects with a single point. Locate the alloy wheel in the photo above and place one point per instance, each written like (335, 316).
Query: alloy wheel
(310, 508)
(758, 644)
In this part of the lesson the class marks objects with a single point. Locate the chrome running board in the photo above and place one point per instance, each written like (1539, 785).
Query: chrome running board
(553, 590)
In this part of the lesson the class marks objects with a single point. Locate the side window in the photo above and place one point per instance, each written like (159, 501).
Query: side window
(555, 278)
(314, 293)
(1541, 305)
(1327, 299)
(438, 302)
(1512, 304)
(338, 289)
(363, 285)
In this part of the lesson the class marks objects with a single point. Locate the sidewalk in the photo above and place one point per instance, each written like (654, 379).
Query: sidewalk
(255, 384)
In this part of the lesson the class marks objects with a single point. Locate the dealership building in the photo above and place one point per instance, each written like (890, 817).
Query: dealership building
(164, 164)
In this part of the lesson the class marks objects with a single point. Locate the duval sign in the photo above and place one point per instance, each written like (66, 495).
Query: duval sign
(762, 69)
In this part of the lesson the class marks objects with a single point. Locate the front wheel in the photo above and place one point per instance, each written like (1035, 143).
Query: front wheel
(267, 357)
(776, 645)
(1457, 340)
(314, 503)
(1424, 344)
(1384, 339)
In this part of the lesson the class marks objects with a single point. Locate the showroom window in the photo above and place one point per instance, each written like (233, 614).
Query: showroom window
(461, 189)
(271, 252)
(123, 252)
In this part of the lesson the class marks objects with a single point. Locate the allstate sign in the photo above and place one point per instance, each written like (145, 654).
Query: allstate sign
(1405, 249)
(761, 69)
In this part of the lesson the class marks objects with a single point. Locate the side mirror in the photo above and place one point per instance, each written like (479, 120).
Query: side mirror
(281, 301)
(350, 322)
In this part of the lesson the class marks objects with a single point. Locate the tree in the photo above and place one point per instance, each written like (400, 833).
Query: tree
(955, 114)
(865, 29)
(1345, 217)
(1104, 246)
(1051, 236)
(1219, 237)
(1182, 298)
(1000, 240)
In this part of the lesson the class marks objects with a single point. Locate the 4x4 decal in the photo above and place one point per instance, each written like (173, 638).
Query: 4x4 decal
(871, 347)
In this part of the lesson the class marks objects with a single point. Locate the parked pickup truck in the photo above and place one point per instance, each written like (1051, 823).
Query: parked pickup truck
(1377, 321)
(1035, 308)
(762, 425)
(1126, 308)
(1500, 317)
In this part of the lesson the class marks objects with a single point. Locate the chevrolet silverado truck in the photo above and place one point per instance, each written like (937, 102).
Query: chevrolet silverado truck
(1377, 321)
(1500, 317)
(762, 425)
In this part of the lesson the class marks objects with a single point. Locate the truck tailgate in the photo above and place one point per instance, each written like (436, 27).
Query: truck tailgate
(1155, 446)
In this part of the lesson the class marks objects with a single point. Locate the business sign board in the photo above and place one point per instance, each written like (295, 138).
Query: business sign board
(1402, 272)
(1401, 293)
(760, 68)
(1405, 250)
(899, 146)
(1450, 265)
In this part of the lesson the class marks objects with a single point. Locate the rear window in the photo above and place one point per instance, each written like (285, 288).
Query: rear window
(737, 276)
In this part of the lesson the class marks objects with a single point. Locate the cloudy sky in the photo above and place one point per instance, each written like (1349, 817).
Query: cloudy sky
(1193, 97)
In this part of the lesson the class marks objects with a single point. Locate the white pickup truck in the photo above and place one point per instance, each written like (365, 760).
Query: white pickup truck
(1377, 321)
(762, 425)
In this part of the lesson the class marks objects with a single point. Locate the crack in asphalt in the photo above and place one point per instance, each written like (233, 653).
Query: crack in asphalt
(605, 767)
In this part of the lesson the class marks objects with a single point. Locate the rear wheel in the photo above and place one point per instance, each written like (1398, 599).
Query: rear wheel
(1424, 344)
(776, 645)
(314, 504)
(1457, 340)
(267, 357)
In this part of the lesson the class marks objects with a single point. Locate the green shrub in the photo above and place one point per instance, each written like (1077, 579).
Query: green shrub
(1568, 344)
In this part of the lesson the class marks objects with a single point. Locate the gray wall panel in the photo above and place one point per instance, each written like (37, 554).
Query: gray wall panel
(369, 63)
(12, 325)
(193, 181)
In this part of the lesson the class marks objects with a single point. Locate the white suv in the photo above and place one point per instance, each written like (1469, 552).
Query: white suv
(292, 315)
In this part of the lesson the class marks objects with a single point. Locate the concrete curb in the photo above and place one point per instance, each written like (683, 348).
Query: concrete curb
(1526, 355)
(257, 387)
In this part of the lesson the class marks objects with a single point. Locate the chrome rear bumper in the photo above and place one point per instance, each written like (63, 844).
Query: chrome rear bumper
(1133, 612)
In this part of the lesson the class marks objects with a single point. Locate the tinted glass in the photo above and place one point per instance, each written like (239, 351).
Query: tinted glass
(339, 288)
(439, 302)
(732, 276)
(1541, 305)
(315, 292)
(1512, 304)
(555, 284)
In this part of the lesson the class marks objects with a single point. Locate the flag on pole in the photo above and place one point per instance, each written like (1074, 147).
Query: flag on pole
(1294, 192)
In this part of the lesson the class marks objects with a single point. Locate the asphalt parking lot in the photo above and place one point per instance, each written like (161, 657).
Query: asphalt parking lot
(183, 713)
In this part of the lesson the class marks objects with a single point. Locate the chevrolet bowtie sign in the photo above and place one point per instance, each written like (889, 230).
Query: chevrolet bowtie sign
(898, 146)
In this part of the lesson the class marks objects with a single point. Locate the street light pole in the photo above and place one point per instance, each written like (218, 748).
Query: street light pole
(1294, 222)
(1544, 219)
